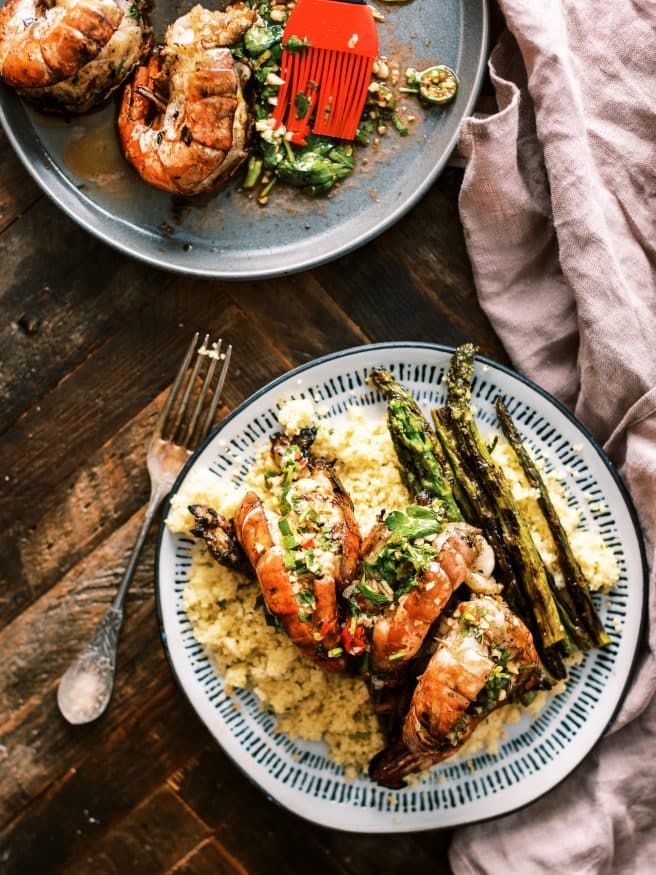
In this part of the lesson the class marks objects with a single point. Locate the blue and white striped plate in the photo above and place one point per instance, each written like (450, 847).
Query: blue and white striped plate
(538, 753)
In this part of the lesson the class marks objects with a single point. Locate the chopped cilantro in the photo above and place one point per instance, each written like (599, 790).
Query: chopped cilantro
(294, 44)
(378, 598)
(416, 522)
(267, 477)
(305, 598)
(302, 104)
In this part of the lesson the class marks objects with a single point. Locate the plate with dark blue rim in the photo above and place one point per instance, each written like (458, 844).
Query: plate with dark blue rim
(78, 163)
(537, 752)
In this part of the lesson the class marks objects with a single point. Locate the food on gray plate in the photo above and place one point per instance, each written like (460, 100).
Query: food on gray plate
(72, 55)
(184, 122)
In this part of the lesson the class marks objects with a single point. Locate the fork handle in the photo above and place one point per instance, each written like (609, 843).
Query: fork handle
(156, 498)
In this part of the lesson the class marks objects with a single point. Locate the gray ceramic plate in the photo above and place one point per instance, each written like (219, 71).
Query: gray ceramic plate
(79, 165)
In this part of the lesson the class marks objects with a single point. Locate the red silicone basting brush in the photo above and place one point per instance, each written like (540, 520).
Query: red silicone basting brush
(329, 47)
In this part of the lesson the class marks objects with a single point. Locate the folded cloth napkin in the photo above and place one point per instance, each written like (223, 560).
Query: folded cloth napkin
(559, 209)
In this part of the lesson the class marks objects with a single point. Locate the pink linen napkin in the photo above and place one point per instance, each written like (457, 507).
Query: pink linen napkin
(559, 209)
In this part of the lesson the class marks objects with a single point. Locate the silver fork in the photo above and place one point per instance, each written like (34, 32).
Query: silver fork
(86, 687)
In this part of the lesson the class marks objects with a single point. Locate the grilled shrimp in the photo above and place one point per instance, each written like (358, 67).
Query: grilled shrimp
(306, 552)
(71, 55)
(485, 659)
(321, 496)
(306, 606)
(462, 555)
(220, 538)
(183, 122)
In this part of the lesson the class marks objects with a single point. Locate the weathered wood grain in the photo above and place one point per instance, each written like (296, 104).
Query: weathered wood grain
(38, 646)
(17, 189)
(149, 840)
(299, 316)
(52, 772)
(414, 281)
(98, 399)
(61, 301)
(252, 831)
(250, 827)
(208, 858)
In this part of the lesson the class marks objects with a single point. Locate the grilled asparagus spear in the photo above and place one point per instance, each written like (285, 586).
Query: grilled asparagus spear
(576, 593)
(415, 444)
(517, 536)
(484, 515)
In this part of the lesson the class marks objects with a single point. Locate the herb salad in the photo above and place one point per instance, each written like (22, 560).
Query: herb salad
(316, 164)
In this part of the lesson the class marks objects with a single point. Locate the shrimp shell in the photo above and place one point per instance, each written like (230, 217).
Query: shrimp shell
(40, 49)
(74, 55)
(197, 137)
(404, 629)
(267, 558)
(439, 720)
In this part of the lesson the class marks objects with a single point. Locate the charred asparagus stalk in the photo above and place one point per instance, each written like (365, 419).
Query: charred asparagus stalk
(415, 444)
(485, 516)
(482, 512)
(576, 587)
(516, 533)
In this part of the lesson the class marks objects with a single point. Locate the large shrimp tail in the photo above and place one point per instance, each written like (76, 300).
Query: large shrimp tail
(35, 57)
(392, 765)
(135, 106)
(220, 538)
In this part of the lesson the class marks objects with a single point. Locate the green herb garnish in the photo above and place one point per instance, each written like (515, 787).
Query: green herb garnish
(294, 44)
(416, 522)
(302, 104)
(401, 562)
(377, 598)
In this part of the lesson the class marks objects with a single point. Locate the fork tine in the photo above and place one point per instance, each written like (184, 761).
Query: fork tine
(182, 406)
(217, 395)
(191, 428)
(175, 388)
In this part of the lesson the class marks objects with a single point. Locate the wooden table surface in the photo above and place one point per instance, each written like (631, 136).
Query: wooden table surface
(89, 342)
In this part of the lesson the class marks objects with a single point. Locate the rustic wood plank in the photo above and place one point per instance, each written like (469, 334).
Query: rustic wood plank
(427, 851)
(40, 745)
(414, 281)
(18, 191)
(209, 858)
(149, 840)
(60, 305)
(256, 831)
(118, 380)
(206, 782)
(52, 772)
(81, 512)
(299, 316)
